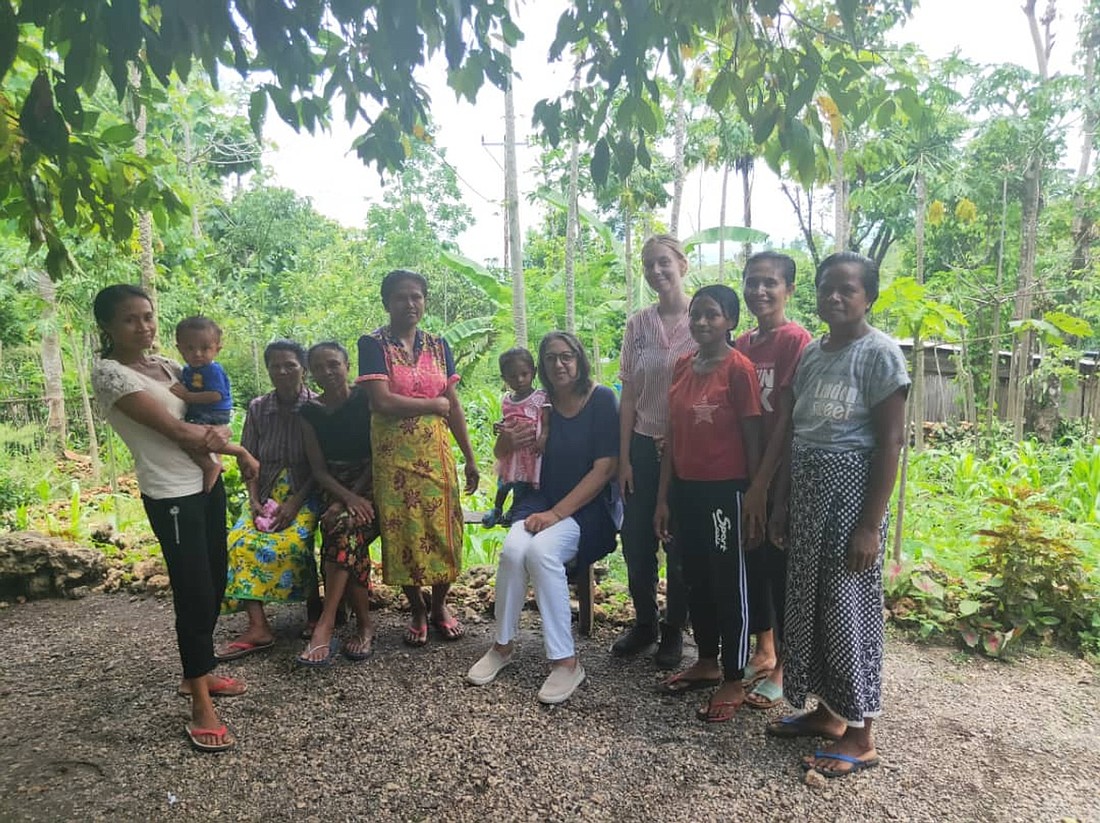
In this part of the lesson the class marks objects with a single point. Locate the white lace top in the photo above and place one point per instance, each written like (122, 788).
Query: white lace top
(163, 469)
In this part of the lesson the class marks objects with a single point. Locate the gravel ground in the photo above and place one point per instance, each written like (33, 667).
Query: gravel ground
(91, 729)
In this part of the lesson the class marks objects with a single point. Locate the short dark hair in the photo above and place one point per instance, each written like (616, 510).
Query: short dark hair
(868, 270)
(326, 344)
(727, 301)
(390, 281)
(783, 262)
(516, 353)
(284, 344)
(106, 303)
(198, 323)
(584, 370)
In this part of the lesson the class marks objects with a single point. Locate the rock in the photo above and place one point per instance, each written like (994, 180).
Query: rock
(145, 569)
(815, 779)
(33, 566)
(158, 583)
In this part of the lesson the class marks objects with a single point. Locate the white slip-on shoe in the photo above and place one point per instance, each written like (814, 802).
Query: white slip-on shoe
(561, 684)
(488, 667)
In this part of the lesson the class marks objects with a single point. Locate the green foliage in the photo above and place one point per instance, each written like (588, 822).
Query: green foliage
(1031, 579)
(1028, 571)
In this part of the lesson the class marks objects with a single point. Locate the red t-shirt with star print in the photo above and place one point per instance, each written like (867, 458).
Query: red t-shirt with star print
(706, 412)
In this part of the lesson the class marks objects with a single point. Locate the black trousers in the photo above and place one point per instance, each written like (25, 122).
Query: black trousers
(767, 573)
(192, 535)
(707, 519)
(640, 542)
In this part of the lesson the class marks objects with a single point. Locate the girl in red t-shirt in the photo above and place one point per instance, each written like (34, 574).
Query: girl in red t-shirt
(711, 452)
(775, 348)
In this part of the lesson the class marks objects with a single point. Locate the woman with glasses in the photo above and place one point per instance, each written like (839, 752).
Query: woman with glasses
(569, 521)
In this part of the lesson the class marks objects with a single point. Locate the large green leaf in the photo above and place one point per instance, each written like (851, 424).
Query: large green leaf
(733, 234)
(480, 277)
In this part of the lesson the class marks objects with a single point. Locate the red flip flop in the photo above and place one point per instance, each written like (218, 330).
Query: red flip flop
(223, 687)
(221, 734)
(450, 629)
(237, 649)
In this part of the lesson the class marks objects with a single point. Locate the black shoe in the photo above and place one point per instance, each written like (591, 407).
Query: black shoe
(634, 641)
(671, 648)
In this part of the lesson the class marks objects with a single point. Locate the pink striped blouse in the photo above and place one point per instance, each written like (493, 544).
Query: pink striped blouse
(648, 355)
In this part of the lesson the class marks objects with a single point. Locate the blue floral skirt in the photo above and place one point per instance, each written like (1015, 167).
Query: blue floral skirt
(272, 567)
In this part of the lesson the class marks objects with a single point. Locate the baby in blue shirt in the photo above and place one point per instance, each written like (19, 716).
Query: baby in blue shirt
(204, 384)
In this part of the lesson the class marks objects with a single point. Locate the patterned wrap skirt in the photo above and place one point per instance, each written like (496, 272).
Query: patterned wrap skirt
(342, 543)
(272, 567)
(416, 494)
(833, 645)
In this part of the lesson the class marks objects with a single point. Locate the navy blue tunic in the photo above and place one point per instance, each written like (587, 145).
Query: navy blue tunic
(574, 445)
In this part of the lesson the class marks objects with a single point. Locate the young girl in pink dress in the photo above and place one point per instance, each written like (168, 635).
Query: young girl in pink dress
(519, 472)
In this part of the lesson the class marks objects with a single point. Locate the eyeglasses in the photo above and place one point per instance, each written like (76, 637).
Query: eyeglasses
(566, 358)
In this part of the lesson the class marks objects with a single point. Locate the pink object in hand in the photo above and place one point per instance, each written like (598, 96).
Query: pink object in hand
(266, 518)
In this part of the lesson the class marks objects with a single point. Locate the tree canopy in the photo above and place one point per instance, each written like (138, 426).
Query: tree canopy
(60, 159)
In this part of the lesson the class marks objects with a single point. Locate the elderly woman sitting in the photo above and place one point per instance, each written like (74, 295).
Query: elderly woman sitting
(570, 519)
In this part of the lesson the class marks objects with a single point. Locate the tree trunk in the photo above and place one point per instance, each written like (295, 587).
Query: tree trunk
(918, 343)
(964, 376)
(722, 221)
(52, 367)
(511, 196)
(1024, 341)
(145, 218)
(747, 167)
(80, 349)
(572, 227)
(995, 359)
(189, 159)
(1081, 229)
(679, 171)
(840, 192)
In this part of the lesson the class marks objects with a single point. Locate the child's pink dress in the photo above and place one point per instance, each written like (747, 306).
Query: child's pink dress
(524, 465)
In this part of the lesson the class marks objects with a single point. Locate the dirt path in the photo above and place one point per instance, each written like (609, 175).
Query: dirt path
(91, 729)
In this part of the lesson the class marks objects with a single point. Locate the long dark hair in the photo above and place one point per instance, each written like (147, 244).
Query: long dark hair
(584, 371)
(105, 305)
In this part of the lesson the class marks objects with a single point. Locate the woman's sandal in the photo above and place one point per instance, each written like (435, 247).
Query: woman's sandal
(416, 636)
(221, 687)
(362, 654)
(766, 695)
(719, 711)
(224, 738)
(450, 629)
(796, 726)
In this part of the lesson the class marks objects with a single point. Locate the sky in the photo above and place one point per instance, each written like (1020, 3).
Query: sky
(323, 168)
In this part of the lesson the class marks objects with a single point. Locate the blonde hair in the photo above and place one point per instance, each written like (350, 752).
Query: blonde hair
(669, 242)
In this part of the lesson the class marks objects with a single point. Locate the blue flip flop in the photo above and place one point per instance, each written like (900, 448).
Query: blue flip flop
(858, 765)
(303, 659)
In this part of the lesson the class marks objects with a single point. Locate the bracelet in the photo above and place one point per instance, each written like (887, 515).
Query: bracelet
(556, 514)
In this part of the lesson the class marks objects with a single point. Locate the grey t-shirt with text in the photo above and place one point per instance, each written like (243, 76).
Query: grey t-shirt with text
(834, 391)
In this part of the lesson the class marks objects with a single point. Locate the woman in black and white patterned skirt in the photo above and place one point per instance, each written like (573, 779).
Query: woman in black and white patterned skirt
(848, 425)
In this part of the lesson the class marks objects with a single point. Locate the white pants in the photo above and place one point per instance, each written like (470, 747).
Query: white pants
(541, 558)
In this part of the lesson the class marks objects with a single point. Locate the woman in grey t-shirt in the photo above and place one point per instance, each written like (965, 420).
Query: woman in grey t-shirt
(848, 425)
